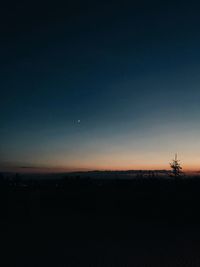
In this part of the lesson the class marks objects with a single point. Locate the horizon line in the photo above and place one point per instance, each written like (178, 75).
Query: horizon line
(60, 170)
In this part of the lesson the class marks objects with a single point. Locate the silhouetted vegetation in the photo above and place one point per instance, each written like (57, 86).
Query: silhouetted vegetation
(176, 167)
(150, 198)
(88, 220)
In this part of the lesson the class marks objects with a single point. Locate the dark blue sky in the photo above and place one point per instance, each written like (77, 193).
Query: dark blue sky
(128, 71)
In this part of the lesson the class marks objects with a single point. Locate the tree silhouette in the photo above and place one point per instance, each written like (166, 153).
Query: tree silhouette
(176, 167)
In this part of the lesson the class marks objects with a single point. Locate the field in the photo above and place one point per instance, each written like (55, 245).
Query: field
(79, 221)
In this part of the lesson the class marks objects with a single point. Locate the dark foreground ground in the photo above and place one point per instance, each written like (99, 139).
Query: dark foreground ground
(151, 222)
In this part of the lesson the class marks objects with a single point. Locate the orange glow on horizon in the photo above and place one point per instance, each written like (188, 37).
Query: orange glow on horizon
(51, 169)
(105, 162)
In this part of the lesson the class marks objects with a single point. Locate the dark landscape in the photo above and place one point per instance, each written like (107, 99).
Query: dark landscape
(85, 221)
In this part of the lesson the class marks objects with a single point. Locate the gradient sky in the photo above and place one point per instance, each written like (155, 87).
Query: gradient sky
(99, 85)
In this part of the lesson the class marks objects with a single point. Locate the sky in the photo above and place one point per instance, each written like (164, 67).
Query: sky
(89, 85)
